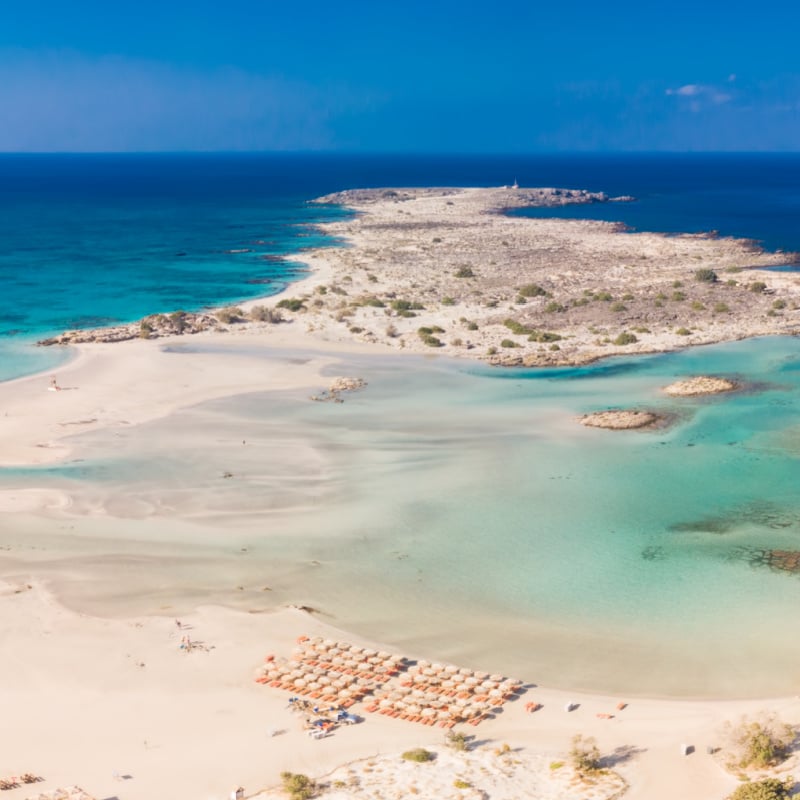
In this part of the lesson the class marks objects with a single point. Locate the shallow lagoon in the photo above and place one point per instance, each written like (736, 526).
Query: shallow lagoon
(460, 512)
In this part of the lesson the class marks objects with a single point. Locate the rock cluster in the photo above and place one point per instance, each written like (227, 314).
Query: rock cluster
(337, 387)
(700, 385)
(780, 560)
(621, 419)
(153, 327)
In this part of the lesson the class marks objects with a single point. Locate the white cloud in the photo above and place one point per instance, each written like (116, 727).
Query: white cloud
(701, 92)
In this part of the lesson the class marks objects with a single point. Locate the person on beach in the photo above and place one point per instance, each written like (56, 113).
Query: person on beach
(54, 387)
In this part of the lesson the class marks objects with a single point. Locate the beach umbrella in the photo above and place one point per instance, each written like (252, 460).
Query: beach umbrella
(472, 681)
(496, 678)
(450, 669)
(385, 703)
(383, 655)
(428, 712)
(465, 671)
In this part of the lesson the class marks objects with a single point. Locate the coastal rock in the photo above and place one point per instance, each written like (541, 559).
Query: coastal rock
(621, 419)
(154, 326)
(347, 384)
(337, 388)
(778, 560)
(700, 385)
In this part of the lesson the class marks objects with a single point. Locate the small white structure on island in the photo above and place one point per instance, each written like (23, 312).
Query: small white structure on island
(237, 793)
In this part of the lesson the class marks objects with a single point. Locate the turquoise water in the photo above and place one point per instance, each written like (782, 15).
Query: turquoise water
(483, 523)
(91, 240)
(480, 520)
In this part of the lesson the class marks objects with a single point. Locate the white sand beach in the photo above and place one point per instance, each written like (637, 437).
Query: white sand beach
(109, 701)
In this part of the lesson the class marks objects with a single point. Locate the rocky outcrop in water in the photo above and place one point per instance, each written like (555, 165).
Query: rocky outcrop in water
(700, 385)
(778, 560)
(621, 420)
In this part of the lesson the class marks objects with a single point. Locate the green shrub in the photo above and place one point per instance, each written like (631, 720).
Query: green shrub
(544, 336)
(407, 305)
(625, 338)
(430, 340)
(464, 272)
(779, 304)
(520, 300)
(759, 743)
(457, 740)
(508, 343)
(299, 787)
(229, 314)
(178, 320)
(617, 307)
(584, 755)
(419, 754)
(491, 351)
(758, 286)
(767, 789)
(372, 278)
(677, 284)
(678, 296)
(733, 269)
(721, 308)
(556, 765)
(697, 306)
(472, 326)
(291, 304)
(425, 329)
(705, 276)
(448, 301)
(517, 327)
(554, 308)
(532, 290)
(264, 314)
(683, 332)
(460, 784)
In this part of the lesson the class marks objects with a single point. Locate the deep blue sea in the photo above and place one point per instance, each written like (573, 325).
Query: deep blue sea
(89, 240)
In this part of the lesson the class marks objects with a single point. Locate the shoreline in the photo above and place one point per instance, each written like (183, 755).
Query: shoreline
(133, 669)
(212, 720)
(614, 294)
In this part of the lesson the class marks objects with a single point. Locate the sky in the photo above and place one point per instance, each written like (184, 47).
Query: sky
(436, 76)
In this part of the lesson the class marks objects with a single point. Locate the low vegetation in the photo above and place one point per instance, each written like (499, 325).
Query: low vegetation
(705, 276)
(584, 755)
(457, 740)
(768, 789)
(532, 290)
(758, 743)
(264, 314)
(229, 315)
(625, 338)
(298, 787)
(419, 754)
(292, 304)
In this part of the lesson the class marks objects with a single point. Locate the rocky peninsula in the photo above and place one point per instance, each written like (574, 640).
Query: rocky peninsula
(444, 270)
